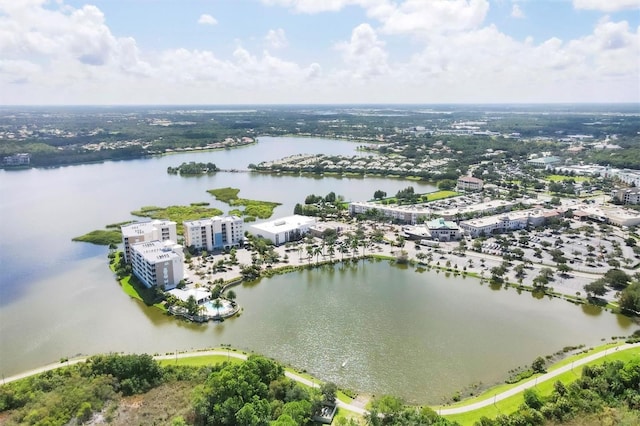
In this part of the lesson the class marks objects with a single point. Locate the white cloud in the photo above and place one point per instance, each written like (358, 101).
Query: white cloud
(276, 39)
(516, 12)
(206, 19)
(314, 6)
(606, 5)
(55, 53)
(364, 54)
(420, 17)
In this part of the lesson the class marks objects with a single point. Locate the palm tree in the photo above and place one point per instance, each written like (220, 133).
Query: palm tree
(317, 252)
(217, 304)
(332, 251)
(355, 243)
(343, 250)
(309, 253)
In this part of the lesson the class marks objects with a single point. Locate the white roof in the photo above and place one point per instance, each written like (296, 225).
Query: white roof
(284, 224)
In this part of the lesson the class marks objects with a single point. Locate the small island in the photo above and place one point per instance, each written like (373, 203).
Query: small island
(193, 169)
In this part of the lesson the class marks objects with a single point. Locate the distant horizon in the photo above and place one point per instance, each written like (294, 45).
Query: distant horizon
(343, 104)
(307, 52)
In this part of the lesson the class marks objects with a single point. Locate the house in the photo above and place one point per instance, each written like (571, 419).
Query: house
(158, 263)
(469, 183)
(216, 233)
(160, 230)
(283, 230)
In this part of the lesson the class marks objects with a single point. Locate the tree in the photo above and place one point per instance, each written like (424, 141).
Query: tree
(378, 195)
(532, 399)
(617, 278)
(231, 295)
(629, 298)
(564, 269)
(446, 184)
(596, 288)
(538, 365)
(191, 305)
(329, 391)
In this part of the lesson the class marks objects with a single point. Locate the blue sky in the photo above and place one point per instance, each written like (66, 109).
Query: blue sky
(318, 51)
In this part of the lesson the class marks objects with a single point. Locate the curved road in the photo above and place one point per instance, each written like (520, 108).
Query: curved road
(356, 409)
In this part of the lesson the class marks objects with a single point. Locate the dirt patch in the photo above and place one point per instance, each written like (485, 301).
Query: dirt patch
(158, 406)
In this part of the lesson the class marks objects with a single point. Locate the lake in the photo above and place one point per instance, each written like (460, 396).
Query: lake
(418, 335)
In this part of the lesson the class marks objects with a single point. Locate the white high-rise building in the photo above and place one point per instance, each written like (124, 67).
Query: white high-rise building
(160, 230)
(158, 263)
(216, 233)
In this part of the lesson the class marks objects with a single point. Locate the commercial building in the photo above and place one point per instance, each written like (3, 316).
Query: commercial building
(437, 229)
(405, 214)
(283, 230)
(216, 233)
(546, 162)
(609, 214)
(158, 263)
(155, 230)
(469, 183)
(506, 222)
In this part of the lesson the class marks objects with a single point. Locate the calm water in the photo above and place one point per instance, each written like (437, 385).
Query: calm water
(413, 334)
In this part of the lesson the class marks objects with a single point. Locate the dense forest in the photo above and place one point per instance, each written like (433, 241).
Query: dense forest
(128, 389)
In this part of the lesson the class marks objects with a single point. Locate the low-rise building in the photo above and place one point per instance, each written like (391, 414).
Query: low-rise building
(319, 229)
(443, 230)
(216, 233)
(469, 183)
(546, 162)
(506, 222)
(283, 230)
(609, 214)
(158, 263)
(627, 195)
(160, 230)
(22, 159)
(405, 214)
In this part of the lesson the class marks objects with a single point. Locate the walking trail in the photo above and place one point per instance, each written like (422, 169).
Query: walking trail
(354, 408)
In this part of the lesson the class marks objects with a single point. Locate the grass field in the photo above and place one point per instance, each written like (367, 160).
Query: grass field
(560, 178)
(199, 361)
(439, 195)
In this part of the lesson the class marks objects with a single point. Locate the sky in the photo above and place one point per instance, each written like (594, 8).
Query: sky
(225, 52)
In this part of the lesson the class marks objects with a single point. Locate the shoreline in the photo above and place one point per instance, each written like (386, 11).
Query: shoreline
(485, 399)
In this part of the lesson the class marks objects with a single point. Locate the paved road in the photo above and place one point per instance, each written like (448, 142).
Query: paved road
(356, 409)
(531, 383)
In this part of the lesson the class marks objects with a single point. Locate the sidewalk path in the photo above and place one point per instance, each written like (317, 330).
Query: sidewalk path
(359, 410)
(218, 352)
(533, 382)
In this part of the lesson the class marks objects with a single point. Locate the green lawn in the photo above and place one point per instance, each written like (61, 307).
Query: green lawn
(199, 361)
(439, 195)
(560, 178)
(511, 404)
